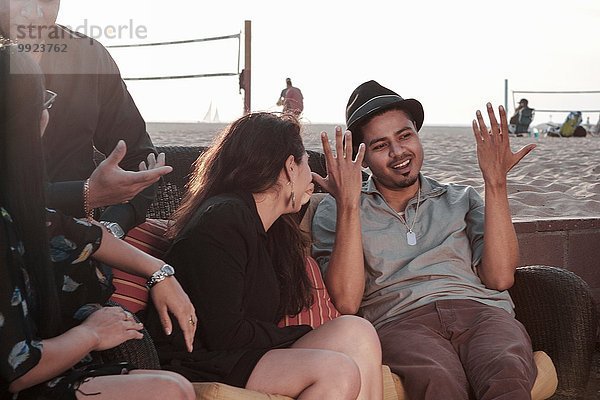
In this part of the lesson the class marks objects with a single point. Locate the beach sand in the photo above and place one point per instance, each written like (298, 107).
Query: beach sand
(559, 179)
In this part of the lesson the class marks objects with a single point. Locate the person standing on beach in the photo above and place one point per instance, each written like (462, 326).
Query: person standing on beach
(410, 254)
(93, 111)
(291, 99)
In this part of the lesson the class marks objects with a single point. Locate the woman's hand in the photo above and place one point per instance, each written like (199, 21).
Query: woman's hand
(344, 175)
(168, 296)
(112, 326)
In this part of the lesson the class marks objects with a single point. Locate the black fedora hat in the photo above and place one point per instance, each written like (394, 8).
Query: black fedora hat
(370, 97)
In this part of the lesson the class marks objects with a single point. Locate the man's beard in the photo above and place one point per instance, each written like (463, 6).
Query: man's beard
(408, 182)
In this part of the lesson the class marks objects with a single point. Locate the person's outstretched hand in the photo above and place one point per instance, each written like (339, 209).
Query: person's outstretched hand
(344, 175)
(112, 326)
(110, 184)
(493, 147)
(168, 297)
(152, 162)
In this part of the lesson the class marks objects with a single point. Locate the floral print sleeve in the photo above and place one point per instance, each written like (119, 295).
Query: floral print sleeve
(83, 282)
(71, 240)
(20, 348)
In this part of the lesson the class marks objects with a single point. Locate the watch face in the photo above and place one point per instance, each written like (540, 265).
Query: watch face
(117, 230)
(114, 228)
(168, 270)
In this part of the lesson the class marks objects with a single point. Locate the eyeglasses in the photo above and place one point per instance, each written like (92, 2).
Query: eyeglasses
(49, 97)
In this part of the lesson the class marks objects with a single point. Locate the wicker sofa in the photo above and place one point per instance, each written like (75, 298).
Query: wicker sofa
(554, 304)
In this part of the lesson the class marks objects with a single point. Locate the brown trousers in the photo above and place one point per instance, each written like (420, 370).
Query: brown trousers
(459, 349)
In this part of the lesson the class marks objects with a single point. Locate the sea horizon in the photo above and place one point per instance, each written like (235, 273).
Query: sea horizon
(303, 122)
(202, 133)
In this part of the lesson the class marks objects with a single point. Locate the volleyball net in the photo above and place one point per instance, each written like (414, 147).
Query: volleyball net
(182, 79)
(235, 71)
(554, 106)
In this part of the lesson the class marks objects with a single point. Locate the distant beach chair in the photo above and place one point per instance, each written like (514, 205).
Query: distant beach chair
(572, 122)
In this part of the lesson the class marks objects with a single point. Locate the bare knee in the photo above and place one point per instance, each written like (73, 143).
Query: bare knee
(141, 384)
(342, 378)
(360, 335)
(174, 386)
(357, 326)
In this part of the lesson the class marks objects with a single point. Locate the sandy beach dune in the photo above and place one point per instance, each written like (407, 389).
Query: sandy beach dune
(559, 179)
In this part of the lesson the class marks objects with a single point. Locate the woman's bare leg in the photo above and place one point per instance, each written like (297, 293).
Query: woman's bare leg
(306, 374)
(317, 366)
(138, 384)
(355, 337)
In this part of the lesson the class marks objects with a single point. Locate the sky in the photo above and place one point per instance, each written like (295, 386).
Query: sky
(453, 56)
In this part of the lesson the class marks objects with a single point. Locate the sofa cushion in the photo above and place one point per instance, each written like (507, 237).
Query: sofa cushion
(322, 309)
(130, 290)
(546, 381)
(221, 391)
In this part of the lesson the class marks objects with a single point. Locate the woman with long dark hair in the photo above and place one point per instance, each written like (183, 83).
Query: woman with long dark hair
(41, 357)
(241, 259)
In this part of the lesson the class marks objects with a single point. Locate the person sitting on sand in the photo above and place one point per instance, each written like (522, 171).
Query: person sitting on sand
(410, 254)
(240, 256)
(522, 118)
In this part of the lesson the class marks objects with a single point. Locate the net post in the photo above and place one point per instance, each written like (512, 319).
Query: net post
(247, 78)
(506, 95)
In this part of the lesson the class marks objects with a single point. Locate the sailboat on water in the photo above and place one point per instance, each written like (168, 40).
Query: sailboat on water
(209, 117)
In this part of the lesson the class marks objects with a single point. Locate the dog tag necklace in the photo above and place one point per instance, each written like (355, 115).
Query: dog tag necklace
(411, 237)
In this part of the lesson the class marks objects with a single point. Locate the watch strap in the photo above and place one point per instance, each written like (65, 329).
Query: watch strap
(164, 272)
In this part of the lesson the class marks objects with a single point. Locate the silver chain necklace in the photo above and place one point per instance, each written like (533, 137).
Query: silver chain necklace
(411, 237)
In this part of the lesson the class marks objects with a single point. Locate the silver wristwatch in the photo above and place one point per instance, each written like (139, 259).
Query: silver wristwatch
(160, 275)
(114, 228)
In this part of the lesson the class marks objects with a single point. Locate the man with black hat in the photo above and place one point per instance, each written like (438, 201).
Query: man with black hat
(413, 260)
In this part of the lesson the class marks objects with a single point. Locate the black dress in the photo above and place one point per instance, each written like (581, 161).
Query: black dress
(224, 266)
